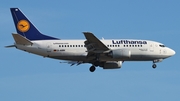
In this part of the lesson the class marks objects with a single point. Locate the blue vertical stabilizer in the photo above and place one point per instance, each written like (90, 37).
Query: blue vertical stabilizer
(25, 28)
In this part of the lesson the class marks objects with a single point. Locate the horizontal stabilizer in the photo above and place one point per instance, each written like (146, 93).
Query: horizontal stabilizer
(21, 40)
(10, 46)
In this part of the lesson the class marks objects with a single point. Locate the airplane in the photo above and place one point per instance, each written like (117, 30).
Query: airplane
(107, 54)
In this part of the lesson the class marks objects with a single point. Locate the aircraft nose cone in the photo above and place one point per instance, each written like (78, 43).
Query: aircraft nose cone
(172, 52)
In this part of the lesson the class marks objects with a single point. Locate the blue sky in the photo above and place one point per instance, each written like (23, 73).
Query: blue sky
(28, 77)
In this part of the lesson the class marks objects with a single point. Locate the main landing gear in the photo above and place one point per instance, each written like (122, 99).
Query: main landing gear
(92, 68)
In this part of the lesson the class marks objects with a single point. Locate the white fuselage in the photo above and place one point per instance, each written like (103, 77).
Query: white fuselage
(75, 50)
(108, 54)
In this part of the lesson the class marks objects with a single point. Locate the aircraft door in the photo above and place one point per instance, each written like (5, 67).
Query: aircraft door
(49, 48)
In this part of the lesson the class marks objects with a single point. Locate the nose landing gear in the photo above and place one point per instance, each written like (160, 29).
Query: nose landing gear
(156, 61)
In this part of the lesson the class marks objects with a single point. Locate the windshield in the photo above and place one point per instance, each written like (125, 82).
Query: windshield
(162, 45)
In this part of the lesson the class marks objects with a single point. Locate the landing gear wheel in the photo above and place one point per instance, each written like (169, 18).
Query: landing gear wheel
(92, 68)
(154, 66)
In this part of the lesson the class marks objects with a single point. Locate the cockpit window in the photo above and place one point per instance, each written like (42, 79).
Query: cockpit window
(162, 45)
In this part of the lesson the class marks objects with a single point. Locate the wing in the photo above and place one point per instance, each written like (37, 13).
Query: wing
(93, 44)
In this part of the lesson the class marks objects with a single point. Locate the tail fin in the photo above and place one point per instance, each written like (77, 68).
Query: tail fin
(25, 28)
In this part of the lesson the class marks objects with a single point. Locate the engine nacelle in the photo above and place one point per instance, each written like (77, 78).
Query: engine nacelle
(112, 65)
(120, 53)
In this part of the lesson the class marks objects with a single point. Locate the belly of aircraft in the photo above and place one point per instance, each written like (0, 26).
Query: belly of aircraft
(84, 58)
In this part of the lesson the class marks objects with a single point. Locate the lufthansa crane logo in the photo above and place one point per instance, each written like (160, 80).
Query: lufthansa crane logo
(23, 26)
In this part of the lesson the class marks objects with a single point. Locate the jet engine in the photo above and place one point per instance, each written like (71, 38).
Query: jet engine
(112, 65)
(120, 53)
